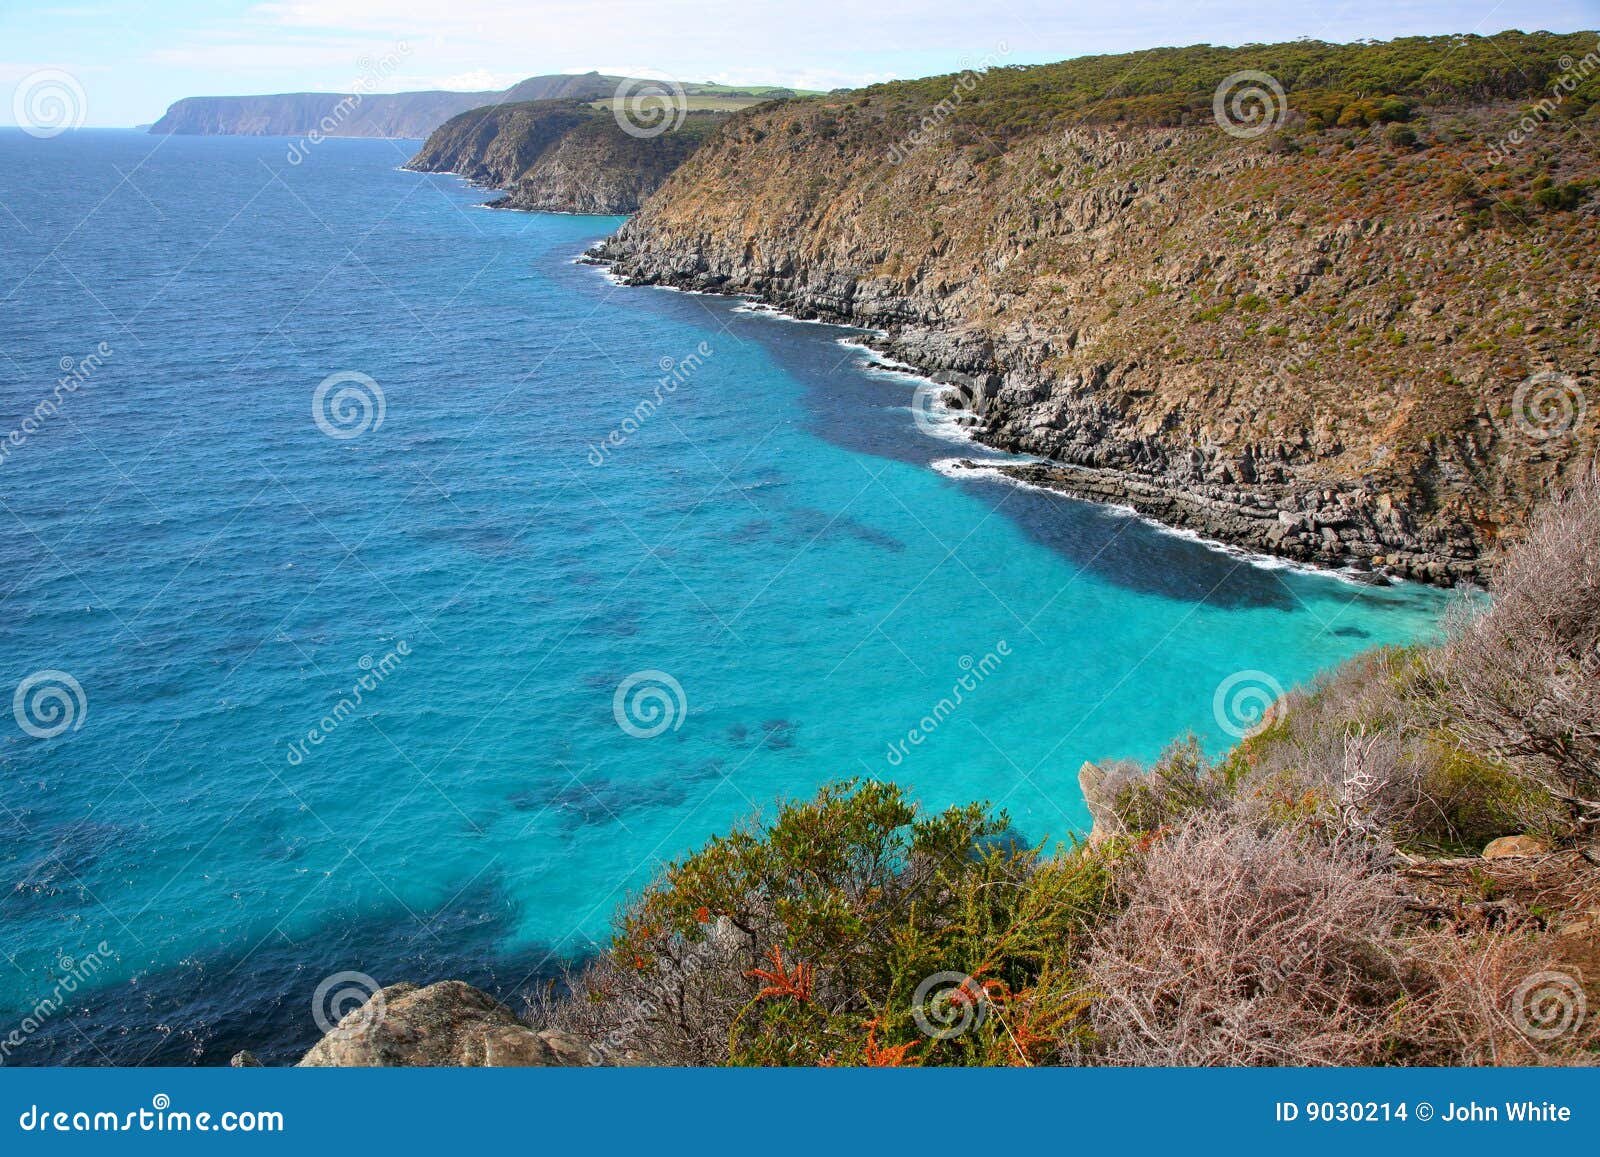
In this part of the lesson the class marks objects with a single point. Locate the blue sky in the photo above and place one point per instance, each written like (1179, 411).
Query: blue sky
(133, 59)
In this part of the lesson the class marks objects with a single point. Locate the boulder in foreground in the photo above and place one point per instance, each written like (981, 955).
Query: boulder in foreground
(448, 1024)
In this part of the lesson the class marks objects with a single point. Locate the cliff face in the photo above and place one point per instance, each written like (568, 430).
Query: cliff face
(493, 146)
(1315, 342)
(560, 156)
(598, 168)
(402, 114)
(405, 114)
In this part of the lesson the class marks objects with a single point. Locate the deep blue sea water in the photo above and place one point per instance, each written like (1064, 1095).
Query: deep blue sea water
(216, 572)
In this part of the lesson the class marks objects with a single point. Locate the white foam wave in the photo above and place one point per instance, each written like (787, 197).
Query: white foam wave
(762, 309)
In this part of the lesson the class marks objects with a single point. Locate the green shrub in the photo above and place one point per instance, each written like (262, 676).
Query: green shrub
(1394, 110)
(1556, 197)
(1181, 782)
(851, 930)
(1472, 800)
(1401, 137)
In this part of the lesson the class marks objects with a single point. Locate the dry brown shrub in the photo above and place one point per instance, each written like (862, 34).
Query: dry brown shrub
(1348, 749)
(1466, 1014)
(1243, 947)
(1521, 681)
(674, 1007)
(1364, 749)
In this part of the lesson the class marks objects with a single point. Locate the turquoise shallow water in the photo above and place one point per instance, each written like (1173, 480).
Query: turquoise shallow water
(216, 572)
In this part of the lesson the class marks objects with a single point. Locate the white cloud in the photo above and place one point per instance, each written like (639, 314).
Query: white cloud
(334, 56)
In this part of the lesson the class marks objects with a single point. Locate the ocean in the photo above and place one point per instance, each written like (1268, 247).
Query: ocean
(384, 592)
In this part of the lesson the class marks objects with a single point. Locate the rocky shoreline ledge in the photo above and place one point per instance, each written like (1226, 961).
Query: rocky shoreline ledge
(1253, 501)
(1330, 529)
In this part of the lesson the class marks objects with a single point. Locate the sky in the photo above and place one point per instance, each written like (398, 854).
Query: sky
(131, 60)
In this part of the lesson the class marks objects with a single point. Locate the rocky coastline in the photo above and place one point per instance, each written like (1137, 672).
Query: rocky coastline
(1255, 504)
(1324, 344)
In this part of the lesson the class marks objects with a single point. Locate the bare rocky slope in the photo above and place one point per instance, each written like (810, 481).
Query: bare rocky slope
(1366, 337)
(598, 168)
(561, 156)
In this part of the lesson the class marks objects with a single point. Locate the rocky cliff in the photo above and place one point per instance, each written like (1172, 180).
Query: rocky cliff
(598, 168)
(401, 114)
(561, 156)
(404, 114)
(495, 145)
(1358, 329)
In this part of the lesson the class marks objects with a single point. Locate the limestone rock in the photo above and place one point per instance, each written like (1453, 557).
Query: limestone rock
(445, 1024)
(1101, 784)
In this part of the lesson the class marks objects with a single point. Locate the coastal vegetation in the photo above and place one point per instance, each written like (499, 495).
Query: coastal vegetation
(1344, 85)
(1314, 896)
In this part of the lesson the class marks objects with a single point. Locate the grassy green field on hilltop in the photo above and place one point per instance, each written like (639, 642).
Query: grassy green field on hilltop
(709, 97)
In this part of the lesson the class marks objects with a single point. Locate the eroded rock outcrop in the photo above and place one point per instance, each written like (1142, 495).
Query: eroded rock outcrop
(445, 1024)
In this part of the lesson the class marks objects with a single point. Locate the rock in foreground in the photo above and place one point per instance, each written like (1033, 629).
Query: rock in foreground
(448, 1024)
